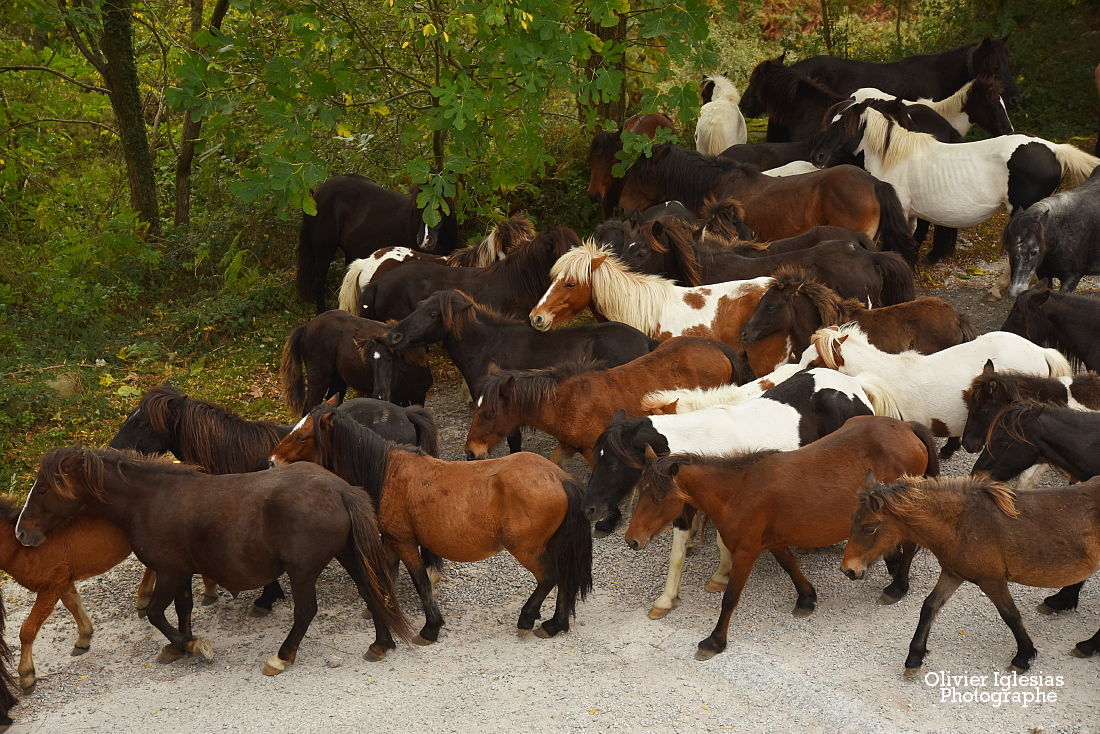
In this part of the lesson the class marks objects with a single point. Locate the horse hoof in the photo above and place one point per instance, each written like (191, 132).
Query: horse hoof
(658, 613)
(274, 665)
(1077, 652)
(27, 682)
(142, 612)
(1014, 668)
(208, 600)
(715, 586)
(423, 642)
(255, 611)
(1044, 608)
(597, 533)
(374, 654)
(366, 613)
(887, 599)
(802, 611)
(704, 653)
(201, 646)
(78, 650)
(169, 654)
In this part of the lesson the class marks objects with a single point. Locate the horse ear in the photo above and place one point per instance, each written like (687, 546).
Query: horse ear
(619, 417)
(870, 481)
(782, 58)
(492, 368)
(650, 454)
(842, 339)
(597, 261)
(326, 419)
(334, 401)
(988, 369)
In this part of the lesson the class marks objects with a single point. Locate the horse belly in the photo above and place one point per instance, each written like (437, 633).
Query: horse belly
(956, 196)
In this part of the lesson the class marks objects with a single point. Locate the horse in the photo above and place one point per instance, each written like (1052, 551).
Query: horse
(686, 400)
(759, 500)
(87, 546)
(242, 530)
(796, 105)
(928, 388)
(952, 184)
(720, 121)
(603, 185)
(978, 102)
(1026, 433)
(7, 685)
(670, 248)
(1055, 238)
(929, 76)
(797, 305)
(511, 286)
(616, 233)
(502, 239)
(462, 511)
(767, 156)
(339, 351)
(775, 207)
(806, 407)
(981, 532)
(1064, 321)
(592, 277)
(573, 402)
(358, 216)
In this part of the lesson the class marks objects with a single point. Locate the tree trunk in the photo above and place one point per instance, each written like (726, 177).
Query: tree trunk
(826, 26)
(615, 109)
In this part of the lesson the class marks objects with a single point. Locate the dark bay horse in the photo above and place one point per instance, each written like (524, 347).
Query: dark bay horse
(181, 521)
(796, 105)
(759, 500)
(1067, 322)
(603, 185)
(511, 286)
(1026, 433)
(462, 511)
(339, 351)
(775, 207)
(983, 533)
(358, 216)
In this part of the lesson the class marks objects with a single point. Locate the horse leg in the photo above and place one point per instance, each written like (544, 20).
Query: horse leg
(945, 587)
(1030, 477)
(209, 592)
(944, 240)
(531, 559)
(262, 606)
(1087, 648)
(304, 588)
(899, 587)
(145, 590)
(921, 231)
(383, 640)
(185, 603)
(670, 597)
(954, 443)
(165, 591)
(70, 597)
(741, 563)
(609, 522)
(998, 593)
(807, 594)
(721, 577)
(433, 619)
(515, 441)
(1064, 600)
(40, 612)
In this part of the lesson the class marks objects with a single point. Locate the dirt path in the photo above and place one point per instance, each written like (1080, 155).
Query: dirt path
(839, 670)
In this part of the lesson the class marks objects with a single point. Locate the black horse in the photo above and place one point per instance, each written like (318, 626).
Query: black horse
(796, 105)
(358, 216)
(1067, 322)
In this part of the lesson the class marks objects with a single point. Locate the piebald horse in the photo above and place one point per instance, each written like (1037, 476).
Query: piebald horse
(978, 102)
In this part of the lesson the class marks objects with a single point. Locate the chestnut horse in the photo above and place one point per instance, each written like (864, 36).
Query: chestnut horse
(85, 547)
(760, 500)
(7, 685)
(592, 277)
(461, 511)
(242, 530)
(603, 185)
(575, 402)
(986, 534)
(797, 305)
(775, 207)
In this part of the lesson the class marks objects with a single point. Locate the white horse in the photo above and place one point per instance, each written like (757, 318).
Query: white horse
(721, 123)
(978, 102)
(685, 400)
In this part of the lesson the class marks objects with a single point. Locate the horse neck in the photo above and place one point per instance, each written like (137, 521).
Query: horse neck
(708, 490)
(726, 90)
(871, 359)
(472, 347)
(950, 108)
(619, 295)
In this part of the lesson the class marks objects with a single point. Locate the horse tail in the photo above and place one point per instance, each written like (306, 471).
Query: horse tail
(924, 433)
(740, 369)
(427, 434)
(1057, 364)
(368, 544)
(969, 333)
(306, 270)
(8, 697)
(349, 288)
(878, 392)
(1076, 163)
(290, 372)
(568, 554)
(893, 228)
(897, 278)
(365, 306)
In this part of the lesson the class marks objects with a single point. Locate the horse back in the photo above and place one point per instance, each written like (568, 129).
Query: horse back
(85, 546)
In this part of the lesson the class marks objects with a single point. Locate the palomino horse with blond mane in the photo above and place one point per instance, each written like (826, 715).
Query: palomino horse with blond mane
(592, 277)
(986, 534)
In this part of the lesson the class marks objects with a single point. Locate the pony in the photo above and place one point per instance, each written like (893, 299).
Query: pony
(981, 532)
(592, 277)
(1055, 238)
(338, 351)
(1026, 433)
(928, 76)
(573, 402)
(358, 216)
(798, 305)
(1065, 321)
(928, 388)
(511, 286)
(686, 400)
(7, 685)
(809, 405)
(775, 207)
(759, 500)
(616, 233)
(181, 521)
(978, 102)
(796, 105)
(502, 239)
(465, 512)
(603, 185)
(87, 546)
(769, 156)
(720, 121)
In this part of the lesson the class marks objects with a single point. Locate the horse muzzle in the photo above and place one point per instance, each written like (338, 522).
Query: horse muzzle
(636, 543)
(853, 574)
(31, 539)
(395, 338)
(540, 322)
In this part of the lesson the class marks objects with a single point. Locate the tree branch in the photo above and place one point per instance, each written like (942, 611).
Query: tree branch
(108, 128)
(55, 72)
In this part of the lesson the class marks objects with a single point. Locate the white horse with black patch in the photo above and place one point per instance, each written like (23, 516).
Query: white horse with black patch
(721, 123)
(978, 102)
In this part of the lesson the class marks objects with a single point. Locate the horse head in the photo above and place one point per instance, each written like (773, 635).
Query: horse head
(986, 106)
(991, 57)
(843, 135)
(65, 478)
(753, 102)
(1024, 241)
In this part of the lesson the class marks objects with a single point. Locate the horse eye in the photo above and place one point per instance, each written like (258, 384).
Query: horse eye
(570, 285)
(870, 529)
(435, 314)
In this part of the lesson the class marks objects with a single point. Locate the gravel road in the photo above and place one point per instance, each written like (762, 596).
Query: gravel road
(839, 670)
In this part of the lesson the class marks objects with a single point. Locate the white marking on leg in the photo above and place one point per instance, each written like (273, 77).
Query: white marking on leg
(676, 555)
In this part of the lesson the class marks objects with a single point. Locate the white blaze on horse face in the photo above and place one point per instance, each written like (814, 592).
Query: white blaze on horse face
(480, 400)
(377, 354)
(423, 234)
(542, 301)
(25, 503)
(299, 424)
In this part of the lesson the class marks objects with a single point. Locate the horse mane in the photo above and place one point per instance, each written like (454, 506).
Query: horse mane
(623, 295)
(692, 175)
(352, 451)
(502, 239)
(9, 509)
(823, 298)
(994, 59)
(827, 341)
(209, 435)
(915, 498)
(530, 389)
(659, 477)
(987, 388)
(722, 214)
(890, 140)
(605, 144)
(1011, 420)
(781, 86)
(953, 104)
(680, 236)
(724, 89)
(93, 468)
(525, 268)
(455, 319)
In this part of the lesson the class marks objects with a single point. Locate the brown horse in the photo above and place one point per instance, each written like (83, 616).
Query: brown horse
(797, 305)
(7, 685)
(603, 185)
(242, 530)
(84, 547)
(461, 511)
(761, 501)
(984, 533)
(574, 403)
(775, 207)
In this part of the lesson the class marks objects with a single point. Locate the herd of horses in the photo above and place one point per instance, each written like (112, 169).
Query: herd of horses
(758, 356)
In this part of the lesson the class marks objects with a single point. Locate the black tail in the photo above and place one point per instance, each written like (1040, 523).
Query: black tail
(969, 333)
(290, 372)
(893, 229)
(740, 368)
(924, 433)
(427, 435)
(897, 278)
(568, 555)
(366, 307)
(8, 690)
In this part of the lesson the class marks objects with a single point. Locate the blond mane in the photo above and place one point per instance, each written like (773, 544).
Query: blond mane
(890, 141)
